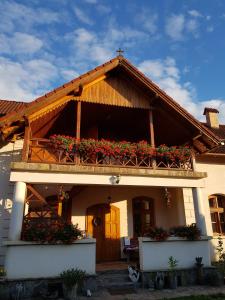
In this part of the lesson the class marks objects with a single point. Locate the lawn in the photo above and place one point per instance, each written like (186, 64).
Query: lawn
(210, 297)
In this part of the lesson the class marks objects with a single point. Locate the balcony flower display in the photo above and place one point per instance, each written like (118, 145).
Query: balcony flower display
(122, 150)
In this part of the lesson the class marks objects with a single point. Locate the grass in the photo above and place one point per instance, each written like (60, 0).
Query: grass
(208, 297)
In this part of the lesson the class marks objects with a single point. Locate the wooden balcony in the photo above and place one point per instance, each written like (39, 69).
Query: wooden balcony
(43, 151)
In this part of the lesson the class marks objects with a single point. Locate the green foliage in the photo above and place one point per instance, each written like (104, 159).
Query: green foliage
(157, 233)
(190, 232)
(220, 264)
(172, 263)
(2, 272)
(44, 232)
(213, 279)
(72, 277)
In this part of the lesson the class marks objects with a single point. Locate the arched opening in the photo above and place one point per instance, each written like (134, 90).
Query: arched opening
(143, 215)
(217, 212)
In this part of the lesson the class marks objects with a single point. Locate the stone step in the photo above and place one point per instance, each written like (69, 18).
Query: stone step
(114, 279)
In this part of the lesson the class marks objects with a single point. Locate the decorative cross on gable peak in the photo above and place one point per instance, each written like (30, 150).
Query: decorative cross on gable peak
(120, 52)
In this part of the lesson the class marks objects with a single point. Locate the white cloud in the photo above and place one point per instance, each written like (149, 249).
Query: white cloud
(175, 26)
(192, 26)
(82, 16)
(19, 43)
(13, 14)
(103, 9)
(195, 13)
(25, 81)
(167, 75)
(69, 74)
(91, 1)
(97, 47)
(148, 20)
(210, 29)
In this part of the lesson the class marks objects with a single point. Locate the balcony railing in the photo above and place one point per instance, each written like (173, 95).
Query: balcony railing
(44, 151)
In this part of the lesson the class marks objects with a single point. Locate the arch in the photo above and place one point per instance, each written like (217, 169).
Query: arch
(143, 215)
(217, 212)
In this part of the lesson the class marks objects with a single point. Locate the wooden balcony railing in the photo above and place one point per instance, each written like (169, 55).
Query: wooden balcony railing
(41, 150)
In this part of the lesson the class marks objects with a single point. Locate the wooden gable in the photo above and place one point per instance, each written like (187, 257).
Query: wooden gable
(115, 90)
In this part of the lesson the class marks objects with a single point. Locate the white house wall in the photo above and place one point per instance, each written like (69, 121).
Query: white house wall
(8, 153)
(214, 184)
(122, 198)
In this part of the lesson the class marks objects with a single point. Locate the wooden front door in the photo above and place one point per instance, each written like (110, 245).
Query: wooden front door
(103, 223)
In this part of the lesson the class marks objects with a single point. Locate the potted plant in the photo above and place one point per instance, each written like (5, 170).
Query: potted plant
(71, 279)
(172, 275)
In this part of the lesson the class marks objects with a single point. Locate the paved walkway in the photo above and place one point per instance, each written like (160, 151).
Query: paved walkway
(145, 294)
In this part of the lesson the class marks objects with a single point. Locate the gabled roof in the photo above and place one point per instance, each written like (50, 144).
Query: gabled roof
(7, 106)
(76, 85)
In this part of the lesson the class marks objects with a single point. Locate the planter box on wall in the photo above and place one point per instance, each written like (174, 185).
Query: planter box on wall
(154, 255)
(26, 260)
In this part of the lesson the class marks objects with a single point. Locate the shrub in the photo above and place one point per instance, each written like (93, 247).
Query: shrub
(157, 233)
(44, 232)
(190, 232)
(72, 277)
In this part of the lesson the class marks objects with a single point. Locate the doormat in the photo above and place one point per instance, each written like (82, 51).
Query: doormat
(122, 291)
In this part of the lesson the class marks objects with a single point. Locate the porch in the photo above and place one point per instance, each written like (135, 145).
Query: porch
(106, 214)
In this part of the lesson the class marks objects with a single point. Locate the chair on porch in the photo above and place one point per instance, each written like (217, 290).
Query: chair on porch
(131, 248)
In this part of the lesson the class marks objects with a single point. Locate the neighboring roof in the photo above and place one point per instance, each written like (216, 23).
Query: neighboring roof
(75, 85)
(7, 106)
(220, 132)
(210, 109)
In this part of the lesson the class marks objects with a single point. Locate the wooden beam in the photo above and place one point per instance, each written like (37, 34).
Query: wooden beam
(36, 194)
(151, 128)
(94, 81)
(78, 125)
(26, 143)
(199, 146)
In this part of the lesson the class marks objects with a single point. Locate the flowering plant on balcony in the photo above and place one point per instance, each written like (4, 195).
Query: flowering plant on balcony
(174, 153)
(92, 148)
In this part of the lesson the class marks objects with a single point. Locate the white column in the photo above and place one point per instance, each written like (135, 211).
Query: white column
(200, 213)
(16, 220)
(189, 210)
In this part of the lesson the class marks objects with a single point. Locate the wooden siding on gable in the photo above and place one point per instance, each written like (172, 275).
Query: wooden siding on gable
(115, 90)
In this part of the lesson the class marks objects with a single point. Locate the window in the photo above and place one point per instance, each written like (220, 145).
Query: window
(143, 215)
(217, 211)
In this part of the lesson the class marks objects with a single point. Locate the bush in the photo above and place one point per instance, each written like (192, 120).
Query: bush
(214, 279)
(157, 233)
(44, 232)
(72, 277)
(190, 232)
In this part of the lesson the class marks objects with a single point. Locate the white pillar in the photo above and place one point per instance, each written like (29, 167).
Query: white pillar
(189, 210)
(200, 210)
(16, 220)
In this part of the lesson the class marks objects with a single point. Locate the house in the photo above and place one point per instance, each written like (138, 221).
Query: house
(111, 195)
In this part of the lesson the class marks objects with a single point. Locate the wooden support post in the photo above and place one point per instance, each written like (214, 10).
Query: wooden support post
(78, 125)
(152, 135)
(26, 143)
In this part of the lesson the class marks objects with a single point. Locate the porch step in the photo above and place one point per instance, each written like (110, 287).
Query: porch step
(114, 279)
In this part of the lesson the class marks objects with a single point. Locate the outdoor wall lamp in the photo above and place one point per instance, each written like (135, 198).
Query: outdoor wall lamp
(115, 179)
(167, 196)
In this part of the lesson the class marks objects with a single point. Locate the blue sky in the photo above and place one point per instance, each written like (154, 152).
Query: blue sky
(178, 44)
